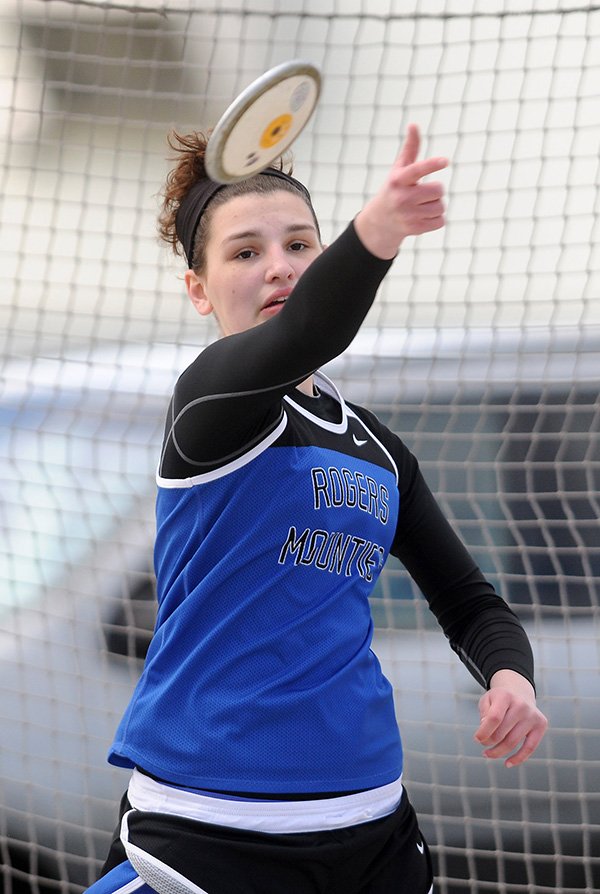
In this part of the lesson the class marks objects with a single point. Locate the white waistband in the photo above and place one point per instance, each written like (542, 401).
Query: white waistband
(269, 816)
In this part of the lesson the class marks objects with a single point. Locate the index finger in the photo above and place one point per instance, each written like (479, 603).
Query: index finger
(411, 174)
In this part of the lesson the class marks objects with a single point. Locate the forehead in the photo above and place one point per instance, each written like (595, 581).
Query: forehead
(260, 210)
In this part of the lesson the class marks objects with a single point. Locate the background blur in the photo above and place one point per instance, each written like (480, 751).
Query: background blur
(481, 351)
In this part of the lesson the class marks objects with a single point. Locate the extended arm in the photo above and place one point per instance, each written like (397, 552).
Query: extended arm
(231, 394)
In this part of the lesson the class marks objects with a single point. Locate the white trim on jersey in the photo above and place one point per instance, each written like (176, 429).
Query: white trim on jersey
(326, 385)
(329, 387)
(317, 815)
(131, 886)
(238, 463)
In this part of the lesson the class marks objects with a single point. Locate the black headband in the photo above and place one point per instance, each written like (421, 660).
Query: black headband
(193, 205)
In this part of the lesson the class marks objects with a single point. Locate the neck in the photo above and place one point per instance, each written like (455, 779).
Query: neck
(307, 386)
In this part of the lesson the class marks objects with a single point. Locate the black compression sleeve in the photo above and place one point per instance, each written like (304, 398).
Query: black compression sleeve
(232, 391)
(480, 626)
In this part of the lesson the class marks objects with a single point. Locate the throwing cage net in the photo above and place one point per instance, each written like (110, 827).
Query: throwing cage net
(481, 351)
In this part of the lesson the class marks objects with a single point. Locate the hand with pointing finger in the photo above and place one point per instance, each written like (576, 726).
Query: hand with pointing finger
(404, 206)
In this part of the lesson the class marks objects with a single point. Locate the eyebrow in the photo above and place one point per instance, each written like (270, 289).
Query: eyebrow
(253, 234)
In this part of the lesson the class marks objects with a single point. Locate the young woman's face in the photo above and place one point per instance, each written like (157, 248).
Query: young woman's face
(257, 249)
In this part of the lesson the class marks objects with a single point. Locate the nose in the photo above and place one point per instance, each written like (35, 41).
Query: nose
(279, 266)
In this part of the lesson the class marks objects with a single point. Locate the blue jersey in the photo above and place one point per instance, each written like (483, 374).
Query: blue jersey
(260, 676)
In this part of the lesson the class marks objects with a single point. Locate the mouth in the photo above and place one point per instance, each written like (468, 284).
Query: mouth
(277, 300)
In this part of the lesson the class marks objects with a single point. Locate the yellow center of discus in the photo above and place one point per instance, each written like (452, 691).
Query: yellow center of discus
(275, 131)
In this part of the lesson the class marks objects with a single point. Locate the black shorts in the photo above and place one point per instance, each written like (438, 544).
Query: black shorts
(384, 856)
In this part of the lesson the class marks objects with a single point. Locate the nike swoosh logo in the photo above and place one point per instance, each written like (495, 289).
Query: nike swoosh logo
(357, 442)
(420, 847)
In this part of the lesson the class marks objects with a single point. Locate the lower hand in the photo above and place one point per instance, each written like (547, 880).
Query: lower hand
(511, 724)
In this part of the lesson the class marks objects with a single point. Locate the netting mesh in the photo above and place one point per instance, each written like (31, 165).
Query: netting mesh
(481, 351)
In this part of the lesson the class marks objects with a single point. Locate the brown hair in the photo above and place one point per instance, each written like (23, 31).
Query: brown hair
(189, 151)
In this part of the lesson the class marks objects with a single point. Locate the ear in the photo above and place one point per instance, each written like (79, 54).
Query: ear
(197, 293)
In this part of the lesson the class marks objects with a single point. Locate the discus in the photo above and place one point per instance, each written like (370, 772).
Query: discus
(262, 122)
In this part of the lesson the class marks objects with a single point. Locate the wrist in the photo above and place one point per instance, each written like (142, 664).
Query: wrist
(514, 681)
(377, 239)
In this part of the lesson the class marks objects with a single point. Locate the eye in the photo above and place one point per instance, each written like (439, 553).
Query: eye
(298, 246)
(245, 254)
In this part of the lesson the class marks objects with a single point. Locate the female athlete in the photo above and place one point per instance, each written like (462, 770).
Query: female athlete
(262, 737)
